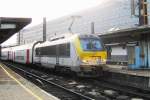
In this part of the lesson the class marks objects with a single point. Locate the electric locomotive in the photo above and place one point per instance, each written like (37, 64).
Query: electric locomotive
(83, 54)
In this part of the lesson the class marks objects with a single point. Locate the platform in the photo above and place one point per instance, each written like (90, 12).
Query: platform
(122, 75)
(15, 87)
(124, 70)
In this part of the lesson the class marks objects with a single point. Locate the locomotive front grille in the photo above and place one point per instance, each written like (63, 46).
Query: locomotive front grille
(95, 61)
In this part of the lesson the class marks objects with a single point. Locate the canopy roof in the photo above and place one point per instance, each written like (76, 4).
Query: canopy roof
(10, 26)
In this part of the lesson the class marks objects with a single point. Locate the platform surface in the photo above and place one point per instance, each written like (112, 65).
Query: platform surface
(15, 87)
(125, 70)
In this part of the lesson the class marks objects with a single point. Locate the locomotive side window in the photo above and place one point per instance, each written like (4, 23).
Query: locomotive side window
(48, 50)
(51, 50)
(64, 50)
(37, 51)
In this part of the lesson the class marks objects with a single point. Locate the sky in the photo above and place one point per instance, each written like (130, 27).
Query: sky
(37, 9)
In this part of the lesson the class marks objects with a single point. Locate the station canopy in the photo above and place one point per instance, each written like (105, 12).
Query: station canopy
(10, 26)
(125, 35)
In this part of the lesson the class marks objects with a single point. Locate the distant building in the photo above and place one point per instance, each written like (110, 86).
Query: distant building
(110, 16)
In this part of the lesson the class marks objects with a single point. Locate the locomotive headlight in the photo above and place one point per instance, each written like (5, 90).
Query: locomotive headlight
(84, 61)
(104, 60)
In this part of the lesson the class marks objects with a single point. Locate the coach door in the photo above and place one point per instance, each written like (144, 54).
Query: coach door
(57, 54)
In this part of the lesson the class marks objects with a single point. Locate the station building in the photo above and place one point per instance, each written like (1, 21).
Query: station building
(129, 47)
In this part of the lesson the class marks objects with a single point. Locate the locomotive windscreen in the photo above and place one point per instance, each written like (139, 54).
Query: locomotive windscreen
(91, 44)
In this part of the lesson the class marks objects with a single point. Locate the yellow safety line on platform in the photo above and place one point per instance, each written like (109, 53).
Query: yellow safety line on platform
(28, 90)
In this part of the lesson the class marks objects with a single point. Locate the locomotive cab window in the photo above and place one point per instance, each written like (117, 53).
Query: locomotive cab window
(91, 44)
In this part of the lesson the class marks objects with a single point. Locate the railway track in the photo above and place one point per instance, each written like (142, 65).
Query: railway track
(128, 90)
(80, 89)
(50, 85)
